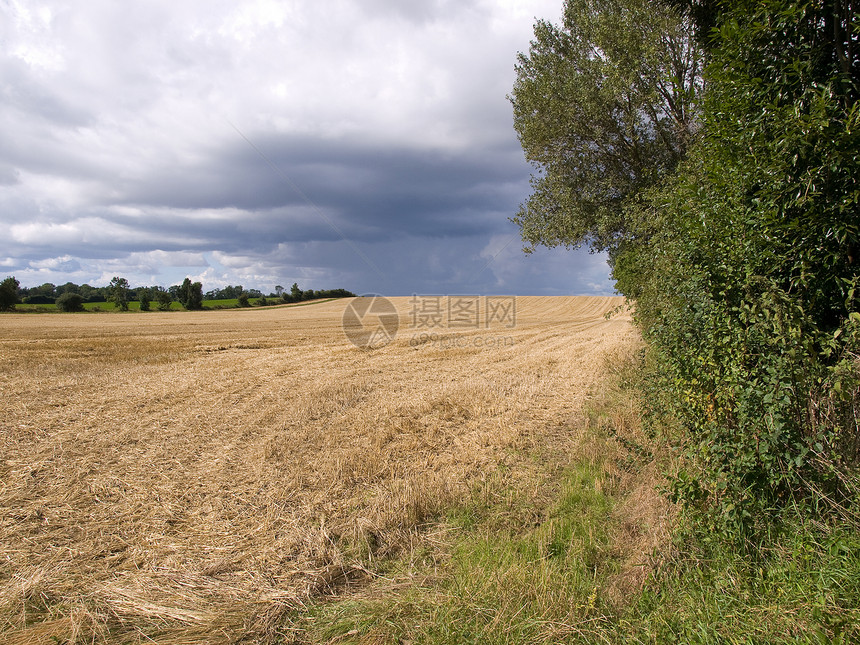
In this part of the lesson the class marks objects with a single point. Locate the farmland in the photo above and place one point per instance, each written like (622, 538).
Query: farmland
(191, 476)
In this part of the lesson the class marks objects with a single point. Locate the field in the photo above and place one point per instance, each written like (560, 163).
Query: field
(196, 476)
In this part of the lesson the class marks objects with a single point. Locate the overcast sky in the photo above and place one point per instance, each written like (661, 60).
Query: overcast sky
(362, 144)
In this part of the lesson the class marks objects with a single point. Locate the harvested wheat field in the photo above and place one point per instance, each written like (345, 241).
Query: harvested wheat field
(191, 477)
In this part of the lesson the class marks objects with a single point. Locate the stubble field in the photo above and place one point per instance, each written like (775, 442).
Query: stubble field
(191, 477)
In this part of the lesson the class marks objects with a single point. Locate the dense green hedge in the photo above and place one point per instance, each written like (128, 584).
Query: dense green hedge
(745, 274)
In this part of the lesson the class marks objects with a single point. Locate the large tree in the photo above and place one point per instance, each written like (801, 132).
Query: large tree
(144, 297)
(605, 104)
(70, 301)
(8, 294)
(162, 298)
(118, 290)
(191, 294)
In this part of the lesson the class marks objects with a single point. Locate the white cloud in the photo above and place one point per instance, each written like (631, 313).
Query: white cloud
(158, 258)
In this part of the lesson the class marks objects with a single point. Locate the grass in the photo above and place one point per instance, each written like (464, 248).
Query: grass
(502, 584)
(549, 564)
(593, 558)
(802, 587)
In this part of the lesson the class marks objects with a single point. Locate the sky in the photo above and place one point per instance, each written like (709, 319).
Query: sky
(363, 144)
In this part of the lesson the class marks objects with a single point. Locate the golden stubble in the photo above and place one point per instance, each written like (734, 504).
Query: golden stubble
(195, 473)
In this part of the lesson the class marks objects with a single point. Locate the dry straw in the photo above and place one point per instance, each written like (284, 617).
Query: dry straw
(191, 477)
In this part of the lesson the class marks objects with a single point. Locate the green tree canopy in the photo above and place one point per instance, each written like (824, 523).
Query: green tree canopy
(191, 294)
(118, 290)
(144, 296)
(70, 302)
(604, 105)
(162, 298)
(295, 292)
(9, 293)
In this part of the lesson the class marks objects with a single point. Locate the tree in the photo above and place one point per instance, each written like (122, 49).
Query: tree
(90, 293)
(118, 290)
(227, 293)
(70, 302)
(143, 296)
(191, 294)
(295, 292)
(605, 105)
(69, 287)
(9, 293)
(163, 299)
(196, 300)
(243, 299)
(39, 299)
(48, 289)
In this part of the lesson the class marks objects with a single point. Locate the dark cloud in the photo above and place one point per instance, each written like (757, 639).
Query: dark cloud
(293, 187)
(366, 145)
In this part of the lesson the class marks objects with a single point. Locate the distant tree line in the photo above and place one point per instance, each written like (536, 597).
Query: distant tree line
(72, 297)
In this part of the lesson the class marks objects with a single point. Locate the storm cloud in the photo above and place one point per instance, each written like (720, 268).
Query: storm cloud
(365, 145)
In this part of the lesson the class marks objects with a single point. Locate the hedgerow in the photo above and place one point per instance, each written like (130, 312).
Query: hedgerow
(744, 271)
